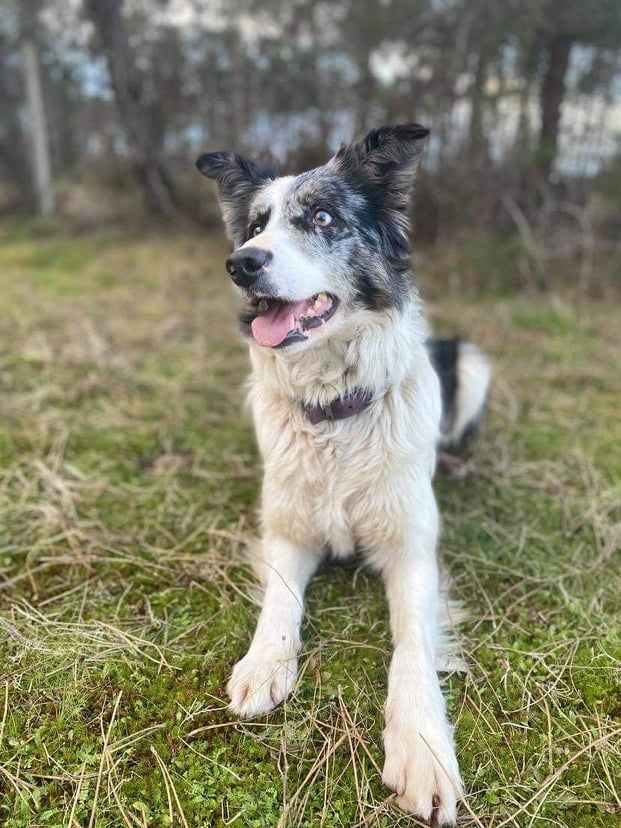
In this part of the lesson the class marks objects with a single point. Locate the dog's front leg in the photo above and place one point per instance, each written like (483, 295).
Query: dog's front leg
(420, 763)
(267, 673)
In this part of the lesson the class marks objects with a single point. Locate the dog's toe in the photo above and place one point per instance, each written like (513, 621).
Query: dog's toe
(260, 681)
(427, 786)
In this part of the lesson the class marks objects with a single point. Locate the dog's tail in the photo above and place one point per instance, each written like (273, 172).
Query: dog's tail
(465, 375)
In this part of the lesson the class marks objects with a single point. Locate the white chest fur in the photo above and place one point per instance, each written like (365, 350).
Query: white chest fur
(346, 483)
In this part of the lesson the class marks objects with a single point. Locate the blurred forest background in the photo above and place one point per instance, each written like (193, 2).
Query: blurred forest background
(106, 103)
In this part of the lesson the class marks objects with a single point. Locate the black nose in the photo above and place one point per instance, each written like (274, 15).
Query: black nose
(245, 264)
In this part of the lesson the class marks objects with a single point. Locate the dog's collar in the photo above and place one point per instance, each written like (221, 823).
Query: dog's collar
(342, 407)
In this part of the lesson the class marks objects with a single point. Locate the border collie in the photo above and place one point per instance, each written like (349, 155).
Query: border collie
(351, 399)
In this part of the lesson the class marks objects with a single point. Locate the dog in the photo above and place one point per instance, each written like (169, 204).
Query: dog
(351, 399)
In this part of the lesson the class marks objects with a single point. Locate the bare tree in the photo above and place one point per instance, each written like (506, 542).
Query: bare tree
(157, 188)
(558, 50)
(566, 23)
(41, 161)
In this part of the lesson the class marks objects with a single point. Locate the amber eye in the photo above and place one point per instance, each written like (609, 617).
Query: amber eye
(322, 218)
(256, 230)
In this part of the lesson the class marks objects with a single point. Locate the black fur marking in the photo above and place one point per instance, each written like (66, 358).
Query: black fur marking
(260, 219)
(381, 168)
(371, 294)
(388, 157)
(238, 179)
(294, 336)
(444, 354)
(466, 437)
(303, 222)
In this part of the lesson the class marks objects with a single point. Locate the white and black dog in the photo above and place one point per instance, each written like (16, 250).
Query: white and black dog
(351, 399)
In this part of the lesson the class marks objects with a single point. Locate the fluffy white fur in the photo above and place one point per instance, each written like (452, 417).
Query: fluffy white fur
(363, 482)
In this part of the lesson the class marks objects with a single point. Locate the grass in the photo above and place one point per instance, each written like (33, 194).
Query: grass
(128, 477)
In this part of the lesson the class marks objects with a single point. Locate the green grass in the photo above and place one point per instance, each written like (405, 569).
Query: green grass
(128, 477)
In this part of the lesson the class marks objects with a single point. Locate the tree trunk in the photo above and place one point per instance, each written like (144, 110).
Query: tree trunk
(41, 161)
(127, 84)
(364, 94)
(239, 108)
(550, 103)
(477, 145)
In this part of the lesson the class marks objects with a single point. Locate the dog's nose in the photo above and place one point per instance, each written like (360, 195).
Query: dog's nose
(244, 264)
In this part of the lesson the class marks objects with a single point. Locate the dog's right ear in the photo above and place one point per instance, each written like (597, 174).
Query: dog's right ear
(238, 179)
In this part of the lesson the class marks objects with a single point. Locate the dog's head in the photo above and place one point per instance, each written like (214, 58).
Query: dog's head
(313, 250)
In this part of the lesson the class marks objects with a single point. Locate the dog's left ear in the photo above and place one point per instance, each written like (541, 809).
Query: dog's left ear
(238, 179)
(387, 156)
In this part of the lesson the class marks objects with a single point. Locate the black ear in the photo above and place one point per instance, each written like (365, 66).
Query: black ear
(233, 171)
(387, 156)
(238, 179)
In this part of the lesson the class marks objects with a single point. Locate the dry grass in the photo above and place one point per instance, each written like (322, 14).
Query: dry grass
(127, 481)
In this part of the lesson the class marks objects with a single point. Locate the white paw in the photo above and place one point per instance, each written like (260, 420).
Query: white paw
(262, 679)
(427, 782)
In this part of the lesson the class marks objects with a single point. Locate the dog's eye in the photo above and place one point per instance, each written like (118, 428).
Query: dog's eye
(322, 218)
(256, 229)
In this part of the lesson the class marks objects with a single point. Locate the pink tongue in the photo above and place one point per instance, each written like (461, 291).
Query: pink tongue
(271, 328)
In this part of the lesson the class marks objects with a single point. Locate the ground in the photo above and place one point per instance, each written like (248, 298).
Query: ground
(128, 478)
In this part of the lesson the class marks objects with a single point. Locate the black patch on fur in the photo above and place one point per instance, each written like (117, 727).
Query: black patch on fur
(466, 437)
(261, 219)
(444, 354)
(371, 294)
(381, 169)
(238, 179)
(295, 336)
(303, 222)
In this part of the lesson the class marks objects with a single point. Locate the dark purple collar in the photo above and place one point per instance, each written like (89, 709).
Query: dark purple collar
(342, 407)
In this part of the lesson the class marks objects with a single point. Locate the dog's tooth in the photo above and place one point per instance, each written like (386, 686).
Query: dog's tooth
(262, 306)
(320, 300)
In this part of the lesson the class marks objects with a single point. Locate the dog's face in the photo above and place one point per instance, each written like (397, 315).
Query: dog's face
(313, 250)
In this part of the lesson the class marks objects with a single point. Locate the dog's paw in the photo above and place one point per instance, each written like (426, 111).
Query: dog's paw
(426, 781)
(261, 680)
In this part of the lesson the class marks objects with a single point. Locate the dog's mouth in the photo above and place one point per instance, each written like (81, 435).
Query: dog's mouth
(278, 323)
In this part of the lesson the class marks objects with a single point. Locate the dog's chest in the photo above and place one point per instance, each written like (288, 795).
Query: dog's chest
(317, 483)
